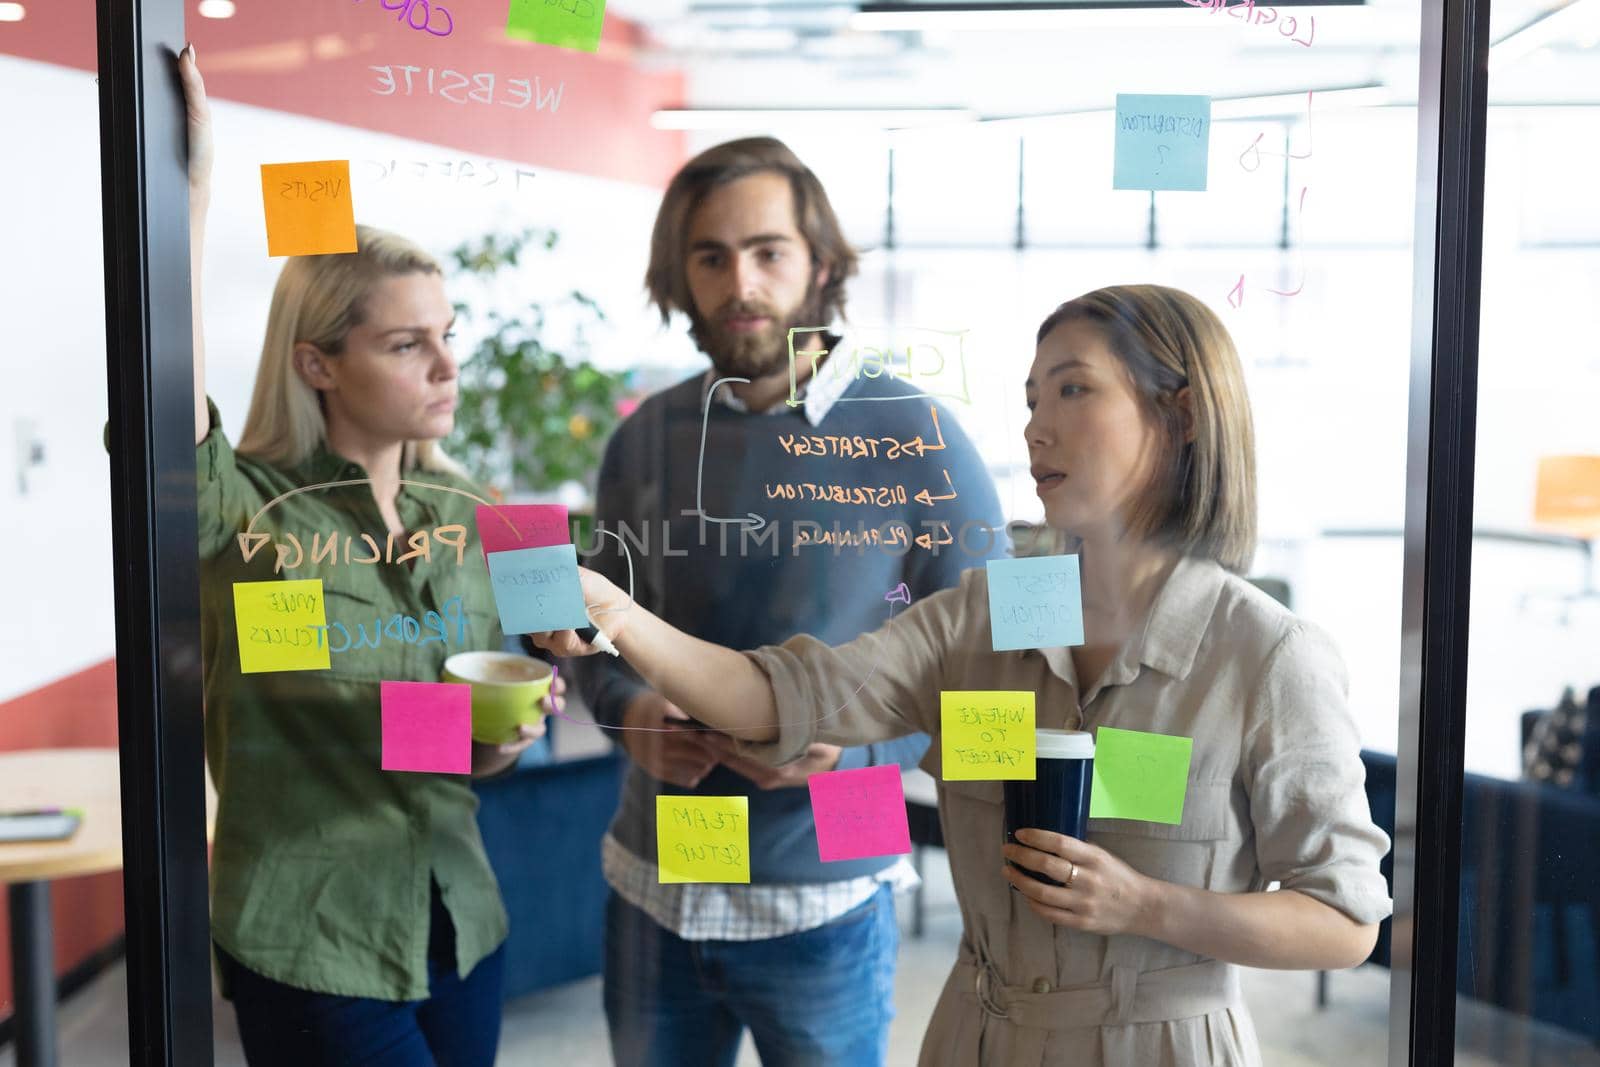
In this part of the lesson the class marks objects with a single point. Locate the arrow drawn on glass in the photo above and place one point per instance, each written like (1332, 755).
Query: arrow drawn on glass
(751, 519)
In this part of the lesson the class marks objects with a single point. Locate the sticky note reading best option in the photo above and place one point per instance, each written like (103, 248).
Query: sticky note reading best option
(309, 212)
(1035, 602)
(1163, 142)
(703, 839)
(563, 23)
(860, 813)
(537, 589)
(427, 726)
(987, 735)
(506, 527)
(282, 626)
(1139, 776)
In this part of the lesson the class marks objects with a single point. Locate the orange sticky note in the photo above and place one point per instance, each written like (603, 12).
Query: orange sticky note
(309, 212)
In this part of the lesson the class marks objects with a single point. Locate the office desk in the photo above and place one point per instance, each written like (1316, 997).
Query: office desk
(88, 779)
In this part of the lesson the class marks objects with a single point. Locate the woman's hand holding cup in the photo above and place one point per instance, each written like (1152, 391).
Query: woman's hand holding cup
(1098, 893)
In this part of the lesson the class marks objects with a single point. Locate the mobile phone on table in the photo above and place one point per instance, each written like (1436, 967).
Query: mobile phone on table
(42, 824)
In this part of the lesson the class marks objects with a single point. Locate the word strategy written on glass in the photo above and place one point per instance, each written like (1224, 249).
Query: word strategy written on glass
(703, 839)
(987, 735)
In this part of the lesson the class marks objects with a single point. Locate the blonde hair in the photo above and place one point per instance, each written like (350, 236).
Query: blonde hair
(317, 301)
(1202, 500)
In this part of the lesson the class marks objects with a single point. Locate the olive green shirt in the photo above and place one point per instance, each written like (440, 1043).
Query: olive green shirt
(320, 870)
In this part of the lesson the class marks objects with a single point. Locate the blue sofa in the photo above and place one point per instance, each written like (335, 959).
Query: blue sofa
(542, 824)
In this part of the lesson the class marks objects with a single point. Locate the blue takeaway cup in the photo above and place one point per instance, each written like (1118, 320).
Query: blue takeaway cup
(1058, 797)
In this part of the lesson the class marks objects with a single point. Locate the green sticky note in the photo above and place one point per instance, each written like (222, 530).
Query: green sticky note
(1139, 776)
(987, 735)
(563, 23)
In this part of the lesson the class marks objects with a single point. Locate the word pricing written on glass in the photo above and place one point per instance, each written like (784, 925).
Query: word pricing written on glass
(987, 736)
(1035, 602)
(860, 813)
(1163, 142)
(571, 24)
(703, 839)
(308, 208)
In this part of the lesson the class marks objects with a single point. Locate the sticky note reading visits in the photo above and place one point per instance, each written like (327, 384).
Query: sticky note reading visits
(506, 527)
(1035, 602)
(309, 212)
(1163, 142)
(537, 589)
(703, 839)
(1139, 776)
(563, 23)
(281, 626)
(987, 735)
(427, 726)
(860, 813)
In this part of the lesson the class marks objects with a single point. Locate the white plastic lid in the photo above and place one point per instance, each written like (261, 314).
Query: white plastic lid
(1065, 744)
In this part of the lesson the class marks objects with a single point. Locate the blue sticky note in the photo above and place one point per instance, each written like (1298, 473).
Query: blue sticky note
(537, 589)
(1035, 602)
(1163, 142)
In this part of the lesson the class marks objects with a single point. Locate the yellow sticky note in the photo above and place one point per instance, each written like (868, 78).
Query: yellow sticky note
(987, 735)
(309, 211)
(703, 839)
(282, 626)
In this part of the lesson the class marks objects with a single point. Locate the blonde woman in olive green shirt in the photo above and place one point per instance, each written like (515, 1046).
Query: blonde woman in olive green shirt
(354, 911)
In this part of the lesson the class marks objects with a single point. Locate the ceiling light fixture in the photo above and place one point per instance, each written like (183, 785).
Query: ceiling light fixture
(1009, 16)
(1577, 20)
(11, 12)
(783, 118)
(216, 9)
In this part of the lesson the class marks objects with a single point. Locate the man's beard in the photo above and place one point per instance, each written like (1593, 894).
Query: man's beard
(754, 355)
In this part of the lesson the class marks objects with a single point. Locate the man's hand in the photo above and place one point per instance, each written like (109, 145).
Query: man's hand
(818, 758)
(655, 736)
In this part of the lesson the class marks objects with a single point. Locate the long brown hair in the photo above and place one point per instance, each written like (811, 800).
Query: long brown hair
(1202, 500)
(665, 277)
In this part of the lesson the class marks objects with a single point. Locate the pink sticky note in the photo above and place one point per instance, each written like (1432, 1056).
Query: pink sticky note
(859, 814)
(427, 726)
(510, 526)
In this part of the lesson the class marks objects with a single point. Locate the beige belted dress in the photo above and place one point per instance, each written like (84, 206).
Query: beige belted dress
(1275, 794)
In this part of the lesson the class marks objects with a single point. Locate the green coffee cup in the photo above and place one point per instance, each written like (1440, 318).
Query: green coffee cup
(506, 690)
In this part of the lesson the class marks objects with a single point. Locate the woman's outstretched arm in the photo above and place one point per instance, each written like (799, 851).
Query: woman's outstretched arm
(199, 115)
(718, 686)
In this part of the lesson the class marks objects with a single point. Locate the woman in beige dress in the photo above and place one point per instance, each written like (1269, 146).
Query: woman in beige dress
(1141, 446)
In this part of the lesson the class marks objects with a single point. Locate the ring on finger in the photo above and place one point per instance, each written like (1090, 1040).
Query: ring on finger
(1072, 875)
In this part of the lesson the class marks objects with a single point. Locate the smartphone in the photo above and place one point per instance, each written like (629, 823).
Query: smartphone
(39, 825)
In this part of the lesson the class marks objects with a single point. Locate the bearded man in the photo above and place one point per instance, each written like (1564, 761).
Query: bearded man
(748, 531)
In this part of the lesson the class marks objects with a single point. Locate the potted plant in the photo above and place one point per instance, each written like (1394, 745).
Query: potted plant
(533, 413)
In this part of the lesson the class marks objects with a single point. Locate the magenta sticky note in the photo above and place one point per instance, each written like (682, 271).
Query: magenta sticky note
(427, 726)
(504, 527)
(859, 813)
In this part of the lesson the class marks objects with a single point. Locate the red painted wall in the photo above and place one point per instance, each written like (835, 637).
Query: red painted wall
(314, 58)
(79, 711)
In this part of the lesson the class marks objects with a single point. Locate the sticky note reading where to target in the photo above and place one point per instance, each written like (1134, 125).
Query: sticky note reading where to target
(1163, 142)
(309, 212)
(1035, 602)
(563, 23)
(282, 626)
(537, 589)
(427, 726)
(506, 527)
(987, 735)
(860, 813)
(1139, 776)
(703, 839)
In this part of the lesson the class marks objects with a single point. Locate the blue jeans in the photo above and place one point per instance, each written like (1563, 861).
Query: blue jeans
(820, 998)
(457, 1026)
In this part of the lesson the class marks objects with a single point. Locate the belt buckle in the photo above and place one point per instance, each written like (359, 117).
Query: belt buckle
(981, 985)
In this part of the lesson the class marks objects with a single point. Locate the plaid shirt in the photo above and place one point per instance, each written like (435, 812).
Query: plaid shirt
(714, 912)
